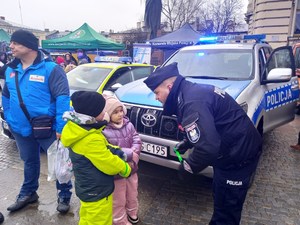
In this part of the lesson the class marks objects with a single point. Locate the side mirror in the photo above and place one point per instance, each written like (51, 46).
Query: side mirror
(116, 86)
(107, 93)
(280, 66)
(280, 74)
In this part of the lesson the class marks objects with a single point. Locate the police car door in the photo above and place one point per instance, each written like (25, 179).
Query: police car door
(281, 91)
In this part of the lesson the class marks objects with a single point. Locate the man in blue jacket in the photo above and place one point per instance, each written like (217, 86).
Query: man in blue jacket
(45, 91)
(220, 132)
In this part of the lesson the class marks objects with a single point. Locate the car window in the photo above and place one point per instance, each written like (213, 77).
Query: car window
(228, 63)
(121, 76)
(141, 72)
(87, 78)
(280, 59)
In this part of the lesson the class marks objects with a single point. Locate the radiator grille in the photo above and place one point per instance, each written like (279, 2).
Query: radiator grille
(165, 126)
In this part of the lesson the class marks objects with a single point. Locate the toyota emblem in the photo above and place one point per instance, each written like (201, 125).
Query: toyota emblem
(148, 120)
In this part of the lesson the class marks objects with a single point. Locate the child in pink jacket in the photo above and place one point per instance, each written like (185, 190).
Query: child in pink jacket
(121, 132)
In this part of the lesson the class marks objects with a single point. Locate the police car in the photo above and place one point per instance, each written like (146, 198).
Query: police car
(105, 76)
(260, 79)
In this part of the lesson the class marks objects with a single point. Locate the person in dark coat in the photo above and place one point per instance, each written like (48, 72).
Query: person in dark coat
(1, 218)
(3, 58)
(70, 59)
(81, 55)
(220, 133)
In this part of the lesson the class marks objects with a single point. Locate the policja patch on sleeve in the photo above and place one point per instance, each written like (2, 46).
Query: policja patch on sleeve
(191, 129)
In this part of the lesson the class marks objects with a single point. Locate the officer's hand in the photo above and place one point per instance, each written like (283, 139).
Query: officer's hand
(183, 146)
(185, 173)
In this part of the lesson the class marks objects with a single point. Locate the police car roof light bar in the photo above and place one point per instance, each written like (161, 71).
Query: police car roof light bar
(256, 37)
(231, 38)
(116, 59)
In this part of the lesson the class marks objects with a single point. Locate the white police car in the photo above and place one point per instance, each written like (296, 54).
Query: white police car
(261, 80)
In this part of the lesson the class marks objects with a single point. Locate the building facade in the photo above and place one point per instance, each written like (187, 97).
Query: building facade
(11, 27)
(278, 19)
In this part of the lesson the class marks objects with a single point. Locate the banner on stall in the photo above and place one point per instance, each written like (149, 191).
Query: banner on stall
(142, 53)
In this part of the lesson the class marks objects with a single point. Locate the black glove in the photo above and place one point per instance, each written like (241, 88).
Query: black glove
(185, 173)
(183, 146)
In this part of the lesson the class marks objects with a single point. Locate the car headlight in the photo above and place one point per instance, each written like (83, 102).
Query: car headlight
(244, 106)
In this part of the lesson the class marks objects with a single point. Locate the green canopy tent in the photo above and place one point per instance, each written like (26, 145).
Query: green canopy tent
(85, 38)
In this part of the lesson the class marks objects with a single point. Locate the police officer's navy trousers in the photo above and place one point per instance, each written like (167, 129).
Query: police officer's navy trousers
(29, 149)
(229, 191)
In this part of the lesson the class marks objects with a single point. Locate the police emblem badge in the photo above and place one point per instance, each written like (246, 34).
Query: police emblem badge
(193, 133)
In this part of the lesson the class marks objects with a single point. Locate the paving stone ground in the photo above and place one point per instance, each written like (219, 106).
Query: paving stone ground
(274, 197)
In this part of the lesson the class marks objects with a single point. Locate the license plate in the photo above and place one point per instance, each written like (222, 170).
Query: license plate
(155, 149)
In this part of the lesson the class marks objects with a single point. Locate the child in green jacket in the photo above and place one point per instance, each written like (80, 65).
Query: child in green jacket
(93, 163)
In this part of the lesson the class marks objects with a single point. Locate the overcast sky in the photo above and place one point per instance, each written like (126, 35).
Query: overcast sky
(101, 15)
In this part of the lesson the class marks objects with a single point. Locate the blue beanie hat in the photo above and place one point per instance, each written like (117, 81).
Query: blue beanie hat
(25, 38)
(161, 74)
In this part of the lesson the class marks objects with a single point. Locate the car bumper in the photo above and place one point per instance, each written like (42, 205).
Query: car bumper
(171, 160)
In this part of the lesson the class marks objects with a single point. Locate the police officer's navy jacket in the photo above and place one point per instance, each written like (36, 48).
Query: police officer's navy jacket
(44, 89)
(222, 134)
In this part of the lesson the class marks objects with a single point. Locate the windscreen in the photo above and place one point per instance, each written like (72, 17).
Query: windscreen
(87, 78)
(215, 63)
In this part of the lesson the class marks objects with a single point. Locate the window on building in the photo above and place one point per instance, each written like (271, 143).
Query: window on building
(297, 23)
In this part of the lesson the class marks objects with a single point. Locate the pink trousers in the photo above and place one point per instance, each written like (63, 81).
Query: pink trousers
(125, 200)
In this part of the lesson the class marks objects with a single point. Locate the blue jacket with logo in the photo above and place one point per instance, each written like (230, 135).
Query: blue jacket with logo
(220, 131)
(45, 91)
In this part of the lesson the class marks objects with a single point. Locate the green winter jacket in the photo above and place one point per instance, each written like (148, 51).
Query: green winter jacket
(93, 163)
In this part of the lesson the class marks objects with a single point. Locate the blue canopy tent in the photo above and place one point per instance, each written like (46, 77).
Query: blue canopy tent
(171, 42)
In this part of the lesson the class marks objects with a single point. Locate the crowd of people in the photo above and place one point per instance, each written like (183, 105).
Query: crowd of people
(105, 164)
(104, 146)
(69, 62)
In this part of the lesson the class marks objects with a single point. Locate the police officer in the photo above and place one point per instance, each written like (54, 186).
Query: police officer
(221, 133)
(1, 218)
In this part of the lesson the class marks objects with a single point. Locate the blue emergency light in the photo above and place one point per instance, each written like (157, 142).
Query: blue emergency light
(231, 38)
(257, 37)
(208, 39)
(116, 59)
